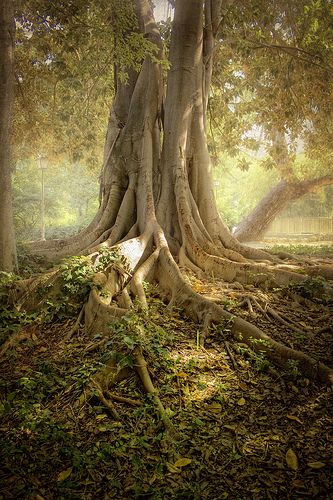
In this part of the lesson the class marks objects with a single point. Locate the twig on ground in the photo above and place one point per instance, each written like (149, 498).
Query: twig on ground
(121, 399)
(99, 393)
(76, 325)
(231, 356)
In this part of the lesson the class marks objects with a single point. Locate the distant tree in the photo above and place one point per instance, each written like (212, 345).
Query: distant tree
(254, 226)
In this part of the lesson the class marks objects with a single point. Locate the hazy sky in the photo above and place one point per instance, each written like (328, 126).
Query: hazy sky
(162, 9)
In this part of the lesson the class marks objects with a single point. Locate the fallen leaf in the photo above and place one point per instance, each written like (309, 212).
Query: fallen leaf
(215, 407)
(172, 468)
(241, 402)
(231, 427)
(182, 462)
(101, 416)
(293, 417)
(182, 374)
(291, 459)
(316, 465)
(303, 324)
(243, 386)
(64, 474)
(102, 428)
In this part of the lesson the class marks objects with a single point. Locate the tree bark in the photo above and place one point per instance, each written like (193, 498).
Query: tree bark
(8, 260)
(254, 226)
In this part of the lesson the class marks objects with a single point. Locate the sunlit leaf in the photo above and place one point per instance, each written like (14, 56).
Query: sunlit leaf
(182, 462)
(291, 459)
(316, 465)
(101, 416)
(293, 417)
(172, 468)
(64, 474)
(102, 428)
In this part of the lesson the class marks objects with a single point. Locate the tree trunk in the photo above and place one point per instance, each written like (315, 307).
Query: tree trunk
(254, 226)
(7, 239)
(157, 207)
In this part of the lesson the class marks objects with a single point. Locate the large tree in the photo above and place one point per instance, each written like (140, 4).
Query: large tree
(7, 238)
(157, 204)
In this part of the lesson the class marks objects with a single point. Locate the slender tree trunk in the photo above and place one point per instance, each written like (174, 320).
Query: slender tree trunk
(254, 226)
(8, 260)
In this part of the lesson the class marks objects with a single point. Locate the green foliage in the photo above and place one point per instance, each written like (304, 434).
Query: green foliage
(293, 368)
(77, 274)
(258, 358)
(11, 319)
(316, 289)
(304, 249)
(138, 329)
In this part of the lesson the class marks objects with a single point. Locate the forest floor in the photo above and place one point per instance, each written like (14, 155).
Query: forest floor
(245, 429)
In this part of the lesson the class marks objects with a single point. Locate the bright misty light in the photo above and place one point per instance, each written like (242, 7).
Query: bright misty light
(162, 10)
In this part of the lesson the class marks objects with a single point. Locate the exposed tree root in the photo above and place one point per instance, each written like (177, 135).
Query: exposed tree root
(76, 325)
(97, 390)
(231, 356)
(141, 368)
(121, 399)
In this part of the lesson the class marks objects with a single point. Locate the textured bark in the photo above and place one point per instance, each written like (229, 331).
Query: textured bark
(7, 240)
(254, 226)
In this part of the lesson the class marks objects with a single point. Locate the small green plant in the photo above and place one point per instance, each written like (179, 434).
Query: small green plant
(315, 289)
(293, 368)
(261, 363)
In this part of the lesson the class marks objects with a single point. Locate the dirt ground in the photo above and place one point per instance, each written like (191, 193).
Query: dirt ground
(245, 429)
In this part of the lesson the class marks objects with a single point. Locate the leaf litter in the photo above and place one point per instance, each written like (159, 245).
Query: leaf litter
(245, 429)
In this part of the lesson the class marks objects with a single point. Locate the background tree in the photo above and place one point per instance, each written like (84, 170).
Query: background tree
(290, 188)
(8, 260)
(273, 76)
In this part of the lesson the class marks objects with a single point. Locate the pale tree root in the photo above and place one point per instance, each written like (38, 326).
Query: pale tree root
(142, 370)
(269, 313)
(197, 307)
(173, 286)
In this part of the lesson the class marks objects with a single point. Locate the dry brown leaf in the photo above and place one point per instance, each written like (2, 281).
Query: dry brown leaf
(243, 386)
(101, 416)
(241, 402)
(215, 407)
(291, 459)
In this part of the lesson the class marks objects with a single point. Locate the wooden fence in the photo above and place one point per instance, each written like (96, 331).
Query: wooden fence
(301, 225)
